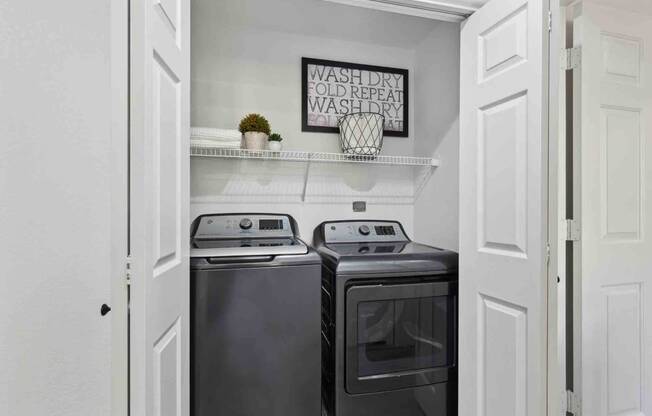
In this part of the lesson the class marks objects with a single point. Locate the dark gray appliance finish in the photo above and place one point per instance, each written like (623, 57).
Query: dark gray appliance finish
(389, 322)
(255, 335)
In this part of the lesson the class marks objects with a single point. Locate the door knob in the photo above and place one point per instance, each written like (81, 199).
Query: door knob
(104, 309)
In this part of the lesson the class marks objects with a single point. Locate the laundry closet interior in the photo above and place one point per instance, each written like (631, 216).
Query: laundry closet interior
(246, 58)
(348, 260)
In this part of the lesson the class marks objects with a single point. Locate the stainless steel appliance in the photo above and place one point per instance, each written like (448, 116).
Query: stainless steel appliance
(255, 313)
(389, 322)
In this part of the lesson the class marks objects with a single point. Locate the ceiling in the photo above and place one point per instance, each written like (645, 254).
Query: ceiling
(635, 6)
(446, 10)
(320, 19)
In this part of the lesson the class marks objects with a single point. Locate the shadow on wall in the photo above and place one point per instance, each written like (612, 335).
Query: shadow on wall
(283, 182)
(437, 74)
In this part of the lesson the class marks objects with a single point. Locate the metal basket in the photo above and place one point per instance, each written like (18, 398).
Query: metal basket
(361, 134)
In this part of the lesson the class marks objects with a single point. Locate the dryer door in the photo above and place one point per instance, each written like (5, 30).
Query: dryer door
(400, 336)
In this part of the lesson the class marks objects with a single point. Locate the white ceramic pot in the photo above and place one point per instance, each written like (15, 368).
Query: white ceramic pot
(255, 140)
(275, 146)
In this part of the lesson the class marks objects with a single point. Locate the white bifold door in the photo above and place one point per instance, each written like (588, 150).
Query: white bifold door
(159, 205)
(613, 91)
(503, 218)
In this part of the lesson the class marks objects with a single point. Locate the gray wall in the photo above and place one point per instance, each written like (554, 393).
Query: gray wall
(246, 57)
(55, 208)
(437, 115)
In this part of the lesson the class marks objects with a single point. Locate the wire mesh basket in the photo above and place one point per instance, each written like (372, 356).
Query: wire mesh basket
(361, 134)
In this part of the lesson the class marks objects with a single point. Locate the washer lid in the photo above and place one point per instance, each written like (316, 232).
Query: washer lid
(247, 247)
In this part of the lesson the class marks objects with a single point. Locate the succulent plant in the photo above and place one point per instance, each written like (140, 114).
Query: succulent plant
(275, 137)
(254, 122)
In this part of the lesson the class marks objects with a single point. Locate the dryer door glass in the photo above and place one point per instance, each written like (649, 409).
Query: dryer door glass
(397, 338)
(403, 335)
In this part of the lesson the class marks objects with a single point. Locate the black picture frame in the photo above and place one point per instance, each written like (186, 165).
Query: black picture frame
(349, 65)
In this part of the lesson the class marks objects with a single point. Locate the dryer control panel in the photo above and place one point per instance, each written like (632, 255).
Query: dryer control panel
(229, 226)
(363, 231)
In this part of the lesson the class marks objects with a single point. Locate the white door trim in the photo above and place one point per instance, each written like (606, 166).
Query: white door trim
(554, 45)
(577, 215)
(119, 38)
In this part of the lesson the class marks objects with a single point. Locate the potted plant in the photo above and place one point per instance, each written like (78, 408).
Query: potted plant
(255, 129)
(275, 144)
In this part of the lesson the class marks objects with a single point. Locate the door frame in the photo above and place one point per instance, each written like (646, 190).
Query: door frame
(564, 132)
(120, 132)
(556, 31)
(572, 172)
(119, 119)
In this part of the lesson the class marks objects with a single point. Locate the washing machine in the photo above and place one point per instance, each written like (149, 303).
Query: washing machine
(255, 317)
(389, 321)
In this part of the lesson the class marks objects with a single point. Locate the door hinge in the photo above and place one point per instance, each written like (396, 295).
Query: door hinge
(549, 20)
(548, 254)
(570, 403)
(571, 230)
(571, 58)
(128, 271)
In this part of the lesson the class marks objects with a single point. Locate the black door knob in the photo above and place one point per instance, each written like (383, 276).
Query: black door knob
(104, 309)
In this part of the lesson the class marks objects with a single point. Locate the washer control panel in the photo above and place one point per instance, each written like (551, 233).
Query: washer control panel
(363, 231)
(228, 226)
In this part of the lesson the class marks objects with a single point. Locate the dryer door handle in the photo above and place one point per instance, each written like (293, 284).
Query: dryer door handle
(244, 259)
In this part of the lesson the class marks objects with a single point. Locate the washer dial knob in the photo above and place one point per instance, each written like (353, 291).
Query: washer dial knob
(246, 224)
(364, 230)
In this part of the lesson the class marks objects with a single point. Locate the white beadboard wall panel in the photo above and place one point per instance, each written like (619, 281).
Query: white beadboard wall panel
(222, 186)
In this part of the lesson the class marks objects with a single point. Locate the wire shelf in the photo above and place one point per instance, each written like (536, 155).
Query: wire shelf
(321, 157)
(421, 168)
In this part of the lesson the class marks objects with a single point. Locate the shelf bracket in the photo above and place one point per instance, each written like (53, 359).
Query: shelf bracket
(423, 178)
(305, 180)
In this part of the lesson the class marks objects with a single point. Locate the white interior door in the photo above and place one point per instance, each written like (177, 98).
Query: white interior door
(616, 191)
(160, 107)
(503, 219)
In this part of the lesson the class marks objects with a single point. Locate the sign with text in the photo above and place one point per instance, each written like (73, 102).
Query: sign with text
(333, 89)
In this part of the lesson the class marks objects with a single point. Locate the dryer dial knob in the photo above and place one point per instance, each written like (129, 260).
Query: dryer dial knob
(364, 230)
(246, 224)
